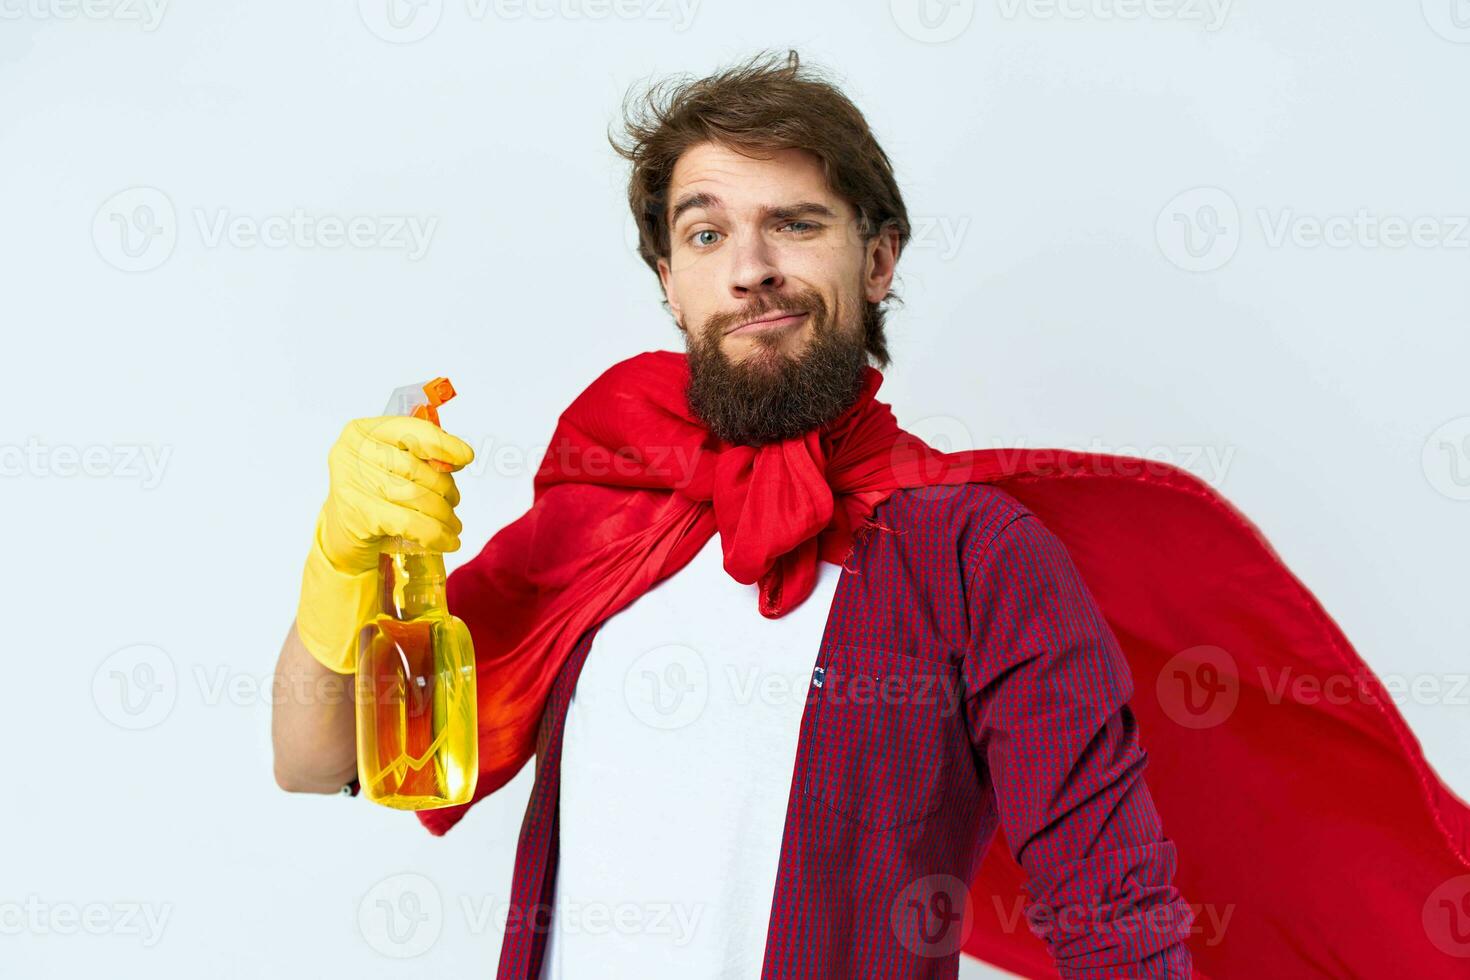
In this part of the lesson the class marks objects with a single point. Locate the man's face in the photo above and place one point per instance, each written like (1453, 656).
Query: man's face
(769, 279)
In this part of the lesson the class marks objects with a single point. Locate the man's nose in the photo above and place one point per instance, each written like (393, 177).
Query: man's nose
(755, 268)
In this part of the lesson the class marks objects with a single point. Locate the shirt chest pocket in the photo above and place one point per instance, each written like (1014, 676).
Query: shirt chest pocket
(886, 732)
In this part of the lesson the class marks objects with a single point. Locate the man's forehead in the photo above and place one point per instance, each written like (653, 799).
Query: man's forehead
(718, 178)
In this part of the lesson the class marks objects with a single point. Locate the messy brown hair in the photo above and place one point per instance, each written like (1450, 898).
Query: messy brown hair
(769, 102)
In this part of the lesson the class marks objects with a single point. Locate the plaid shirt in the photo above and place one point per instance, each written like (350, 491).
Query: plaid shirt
(966, 682)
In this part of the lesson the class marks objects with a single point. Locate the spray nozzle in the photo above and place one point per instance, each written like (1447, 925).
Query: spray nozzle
(422, 401)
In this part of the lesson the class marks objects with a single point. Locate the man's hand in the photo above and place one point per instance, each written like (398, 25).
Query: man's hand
(382, 486)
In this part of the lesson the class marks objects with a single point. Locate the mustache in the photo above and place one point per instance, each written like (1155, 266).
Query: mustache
(806, 301)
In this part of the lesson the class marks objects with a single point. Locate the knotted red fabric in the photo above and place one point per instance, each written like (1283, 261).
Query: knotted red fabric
(1320, 813)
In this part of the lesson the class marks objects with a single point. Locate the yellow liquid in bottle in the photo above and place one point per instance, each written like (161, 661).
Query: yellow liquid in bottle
(417, 738)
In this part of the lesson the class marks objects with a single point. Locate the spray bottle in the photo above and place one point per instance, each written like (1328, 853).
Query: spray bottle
(417, 737)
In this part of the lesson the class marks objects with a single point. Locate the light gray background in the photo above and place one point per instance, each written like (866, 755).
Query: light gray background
(1053, 159)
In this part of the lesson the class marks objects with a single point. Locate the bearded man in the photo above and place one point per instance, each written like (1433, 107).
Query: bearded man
(788, 672)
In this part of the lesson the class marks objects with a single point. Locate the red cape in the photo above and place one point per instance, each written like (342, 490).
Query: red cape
(1313, 837)
(1303, 810)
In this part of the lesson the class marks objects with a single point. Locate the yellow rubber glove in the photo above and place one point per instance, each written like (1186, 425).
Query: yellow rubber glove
(381, 487)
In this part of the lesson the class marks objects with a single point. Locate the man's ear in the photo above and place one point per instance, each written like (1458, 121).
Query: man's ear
(663, 278)
(882, 260)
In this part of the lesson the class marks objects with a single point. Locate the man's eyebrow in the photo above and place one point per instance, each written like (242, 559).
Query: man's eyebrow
(690, 201)
(784, 211)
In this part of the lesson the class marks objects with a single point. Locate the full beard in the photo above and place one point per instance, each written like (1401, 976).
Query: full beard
(770, 395)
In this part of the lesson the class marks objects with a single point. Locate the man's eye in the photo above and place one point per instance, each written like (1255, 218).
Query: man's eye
(799, 227)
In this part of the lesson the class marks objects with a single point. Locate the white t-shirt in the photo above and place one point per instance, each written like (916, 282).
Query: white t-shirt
(675, 773)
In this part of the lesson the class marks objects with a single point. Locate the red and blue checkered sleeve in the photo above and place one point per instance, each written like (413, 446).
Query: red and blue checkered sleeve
(1048, 715)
